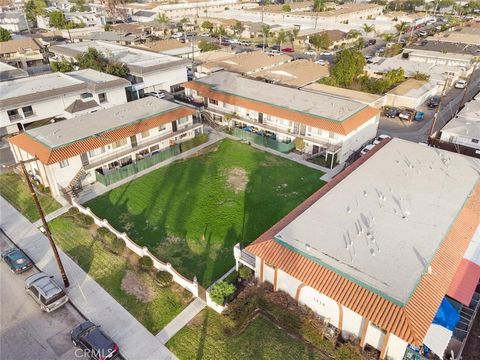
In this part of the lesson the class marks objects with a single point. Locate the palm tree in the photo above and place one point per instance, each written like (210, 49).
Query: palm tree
(388, 37)
(265, 32)
(318, 5)
(163, 19)
(220, 31)
(368, 28)
(281, 37)
(295, 32)
(401, 27)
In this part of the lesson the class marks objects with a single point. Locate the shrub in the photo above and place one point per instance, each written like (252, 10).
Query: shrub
(164, 278)
(103, 232)
(84, 220)
(190, 144)
(118, 246)
(245, 273)
(221, 291)
(146, 263)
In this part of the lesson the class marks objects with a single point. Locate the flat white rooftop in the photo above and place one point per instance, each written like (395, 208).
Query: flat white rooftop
(382, 224)
(467, 121)
(92, 76)
(96, 123)
(322, 105)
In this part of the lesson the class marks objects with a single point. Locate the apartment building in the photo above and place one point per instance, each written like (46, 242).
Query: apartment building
(379, 251)
(9, 72)
(47, 97)
(71, 154)
(328, 124)
(24, 53)
(13, 21)
(149, 71)
(446, 53)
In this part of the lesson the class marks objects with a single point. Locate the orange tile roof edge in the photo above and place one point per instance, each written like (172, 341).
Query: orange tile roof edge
(345, 127)
(410, 322)
(47, 155)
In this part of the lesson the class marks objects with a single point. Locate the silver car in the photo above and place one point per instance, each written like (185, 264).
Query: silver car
(45, 291)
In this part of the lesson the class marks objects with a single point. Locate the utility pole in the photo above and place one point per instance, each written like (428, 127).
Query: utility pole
(45, 225)
(435, 116)
(193, 60)
(462, 102)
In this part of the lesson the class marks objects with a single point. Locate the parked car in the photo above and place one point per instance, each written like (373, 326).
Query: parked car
(380, 138)
(45, 291)
(391, 112)
(260, 45)
(17, 260)
(158, 94)
(366, 149)
(273, 52)
(275, 47)
(177, 35)
(461, 84)
(288, 50)
(204, 34)
(419, 116)
(368, 58)
(188, 99)
(433, 102)
(310, 52)
(372, 41)
(326, 53)
(88, 337)
(423, 33)
(320, 62)
(244, 43)
(407, 114)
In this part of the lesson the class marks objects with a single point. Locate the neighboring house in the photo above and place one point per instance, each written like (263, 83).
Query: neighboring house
(464, 129)
(14, 22)
(246, 63)
(9, 72)
(57, 95)
(148, 71)
(172, 47)
(377, 251)
(72, 153)
(296, 73)
(328, 125)
(115, 37)
(24, 53)
(411, 93)
(336, 37)
(88, 19)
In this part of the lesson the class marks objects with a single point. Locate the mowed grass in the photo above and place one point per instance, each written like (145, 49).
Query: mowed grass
(213, 336)
(191, 215)
(15, 190)
(108, 270)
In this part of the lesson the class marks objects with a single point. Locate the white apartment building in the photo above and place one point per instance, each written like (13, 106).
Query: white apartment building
(14, 22)
(148, 71)
(72, 153)
(57, 95)
(377, 253)
(328, 124)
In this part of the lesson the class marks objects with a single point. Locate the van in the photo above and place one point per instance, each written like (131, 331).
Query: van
(45, 291)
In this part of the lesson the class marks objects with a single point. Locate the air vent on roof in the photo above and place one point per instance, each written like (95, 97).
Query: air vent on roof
(349, 210)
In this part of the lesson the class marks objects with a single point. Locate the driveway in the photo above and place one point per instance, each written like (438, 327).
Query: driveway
(28, 332)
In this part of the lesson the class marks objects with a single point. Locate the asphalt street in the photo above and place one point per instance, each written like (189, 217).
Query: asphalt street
(27, 332)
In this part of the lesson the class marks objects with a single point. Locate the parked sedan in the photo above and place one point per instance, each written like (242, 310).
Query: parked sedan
(93, 341)
(391, 112)
(433, 102)
(461, 84)
(17, 260)
(380, 138)
(288, 50)
(406, 114)
(310, 53)
(45, 291)
(366, 149)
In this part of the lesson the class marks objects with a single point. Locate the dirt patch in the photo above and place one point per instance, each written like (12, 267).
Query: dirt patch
(134, 285)
(237, 178)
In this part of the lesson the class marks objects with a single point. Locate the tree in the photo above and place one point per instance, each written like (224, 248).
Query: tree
(146, 263)
(207, 25)
(164, 278)
(92, 59)
(294, 35)
(5, 35)
(281, 37)
(107, 27)
(299, 143)
(63, 65)
(353, 34)
(368, 28)
(361, 43)
(395, 76)
(221, 291)
(220, 31)
(265, 33)
(117, 69)
(349, 64)
(474, 5)
(238, 28)
(163, 19)
(205, 46)
(445, 3)
(320, 41)
(388, 37)
(286, 8)
(401, 27)
(421, 76)
(79, 5)
(34, 8)
(319, 5)
(57, 19)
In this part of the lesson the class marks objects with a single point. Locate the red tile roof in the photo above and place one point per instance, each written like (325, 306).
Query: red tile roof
(465, 282)
(48, 155)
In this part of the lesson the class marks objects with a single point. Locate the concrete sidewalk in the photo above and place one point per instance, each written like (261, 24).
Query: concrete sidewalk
(181, 320)
(91, 299)
(53, 215)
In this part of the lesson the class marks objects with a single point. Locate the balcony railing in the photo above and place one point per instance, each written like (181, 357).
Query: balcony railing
(15, 117)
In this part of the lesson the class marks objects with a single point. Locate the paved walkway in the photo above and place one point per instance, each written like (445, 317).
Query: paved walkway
(53, 215)
(96, 189)
(181, 320)
(91, 299)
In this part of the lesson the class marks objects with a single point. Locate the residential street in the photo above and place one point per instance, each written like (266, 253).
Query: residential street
(26, 331)
(419, 131)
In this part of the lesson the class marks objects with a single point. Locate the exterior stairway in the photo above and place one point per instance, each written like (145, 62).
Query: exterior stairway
(72, 189)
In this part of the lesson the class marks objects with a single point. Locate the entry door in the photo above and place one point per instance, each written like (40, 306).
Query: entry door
(174, 126)
(315, 149)
(303, 129)
(260, 118)
(295, 128)
(133, 141)
(84, 159)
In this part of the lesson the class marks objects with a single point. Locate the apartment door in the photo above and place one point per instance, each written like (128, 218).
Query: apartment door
(303, 129)
(133, 141)
(315, 149)
(260, 118)
(174, 126)
(84, 159)
(295, 128)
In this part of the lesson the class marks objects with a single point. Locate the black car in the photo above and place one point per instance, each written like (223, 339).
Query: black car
(275, 47)
(93, 341)
(433, 102)
(391, 112)
(372, 41)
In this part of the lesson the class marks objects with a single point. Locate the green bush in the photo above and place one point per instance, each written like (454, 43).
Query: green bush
(221, 291)
(190, 144)
(146, 263)
(245, 273)
(164, 278)
(103, 232)
(80, 219)
(118, 246)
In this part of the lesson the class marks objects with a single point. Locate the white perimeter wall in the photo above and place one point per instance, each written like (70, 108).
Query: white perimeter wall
(163, 79)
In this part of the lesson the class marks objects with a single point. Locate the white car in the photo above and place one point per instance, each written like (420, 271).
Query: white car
(177, 35)
(273, 52)
(461, 84)
(320, 62)
(326, 53)
(157, 94)
(380, 138)
(366, 149)
(422, 33)
(310, 52)
(204, 34)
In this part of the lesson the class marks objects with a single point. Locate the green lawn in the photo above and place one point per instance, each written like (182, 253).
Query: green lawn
(191, 213)
(108, 270)
(213, 336)
(15, 190)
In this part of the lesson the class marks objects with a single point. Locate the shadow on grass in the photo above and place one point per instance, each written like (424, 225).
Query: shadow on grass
(203, 337)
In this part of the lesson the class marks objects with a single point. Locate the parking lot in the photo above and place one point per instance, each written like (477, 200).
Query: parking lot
(26, 331)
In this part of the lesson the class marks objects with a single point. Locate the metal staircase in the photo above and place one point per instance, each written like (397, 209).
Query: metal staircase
(74, 187)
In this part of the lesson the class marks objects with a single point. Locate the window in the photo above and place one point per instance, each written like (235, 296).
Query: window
(102, 97)
(86, 95)
(154, 148)
(162, 127)
(145, 134)
(64, 163)
(27, 111)
(475, 141)
(213, 101)
(96, 152)
(331, 135)
(119, 143)
(34, 291)
(182, 121)
(13, 114)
